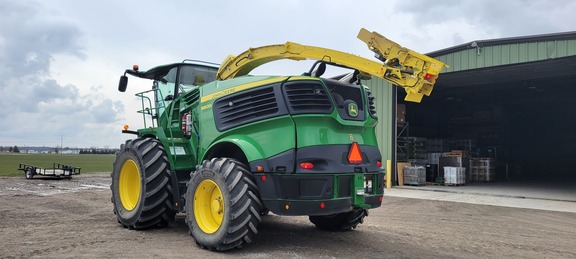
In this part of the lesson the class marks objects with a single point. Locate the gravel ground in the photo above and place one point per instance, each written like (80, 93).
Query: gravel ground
(74, 218)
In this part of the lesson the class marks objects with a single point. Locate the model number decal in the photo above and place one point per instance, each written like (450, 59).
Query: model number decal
(207, 106)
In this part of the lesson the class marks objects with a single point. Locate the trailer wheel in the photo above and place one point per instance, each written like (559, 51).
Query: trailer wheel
(29, 173)
(341, 221)
(141, 185)
(222, 205)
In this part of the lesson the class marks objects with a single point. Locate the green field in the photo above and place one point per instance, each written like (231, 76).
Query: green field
(89, 163)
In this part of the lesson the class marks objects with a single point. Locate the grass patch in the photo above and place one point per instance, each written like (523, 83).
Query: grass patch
(89, 163)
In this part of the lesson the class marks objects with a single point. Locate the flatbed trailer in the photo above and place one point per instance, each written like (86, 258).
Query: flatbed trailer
(57, 170)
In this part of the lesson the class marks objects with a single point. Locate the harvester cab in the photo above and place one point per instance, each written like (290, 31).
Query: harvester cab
(226, 147)
(169, 81)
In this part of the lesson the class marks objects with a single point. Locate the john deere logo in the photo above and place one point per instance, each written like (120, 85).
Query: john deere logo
(353, 109)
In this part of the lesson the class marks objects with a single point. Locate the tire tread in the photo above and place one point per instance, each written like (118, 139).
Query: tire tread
(157, 209)
(244, 205)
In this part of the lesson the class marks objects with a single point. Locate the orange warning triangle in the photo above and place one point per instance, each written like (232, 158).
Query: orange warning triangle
(354, 155)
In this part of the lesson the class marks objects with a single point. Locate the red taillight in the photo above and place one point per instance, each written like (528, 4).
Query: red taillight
(322, 205)
(379, 163)
(263, 178)
(428, 76)
(380, 199)
(354, 155)
(306, 165)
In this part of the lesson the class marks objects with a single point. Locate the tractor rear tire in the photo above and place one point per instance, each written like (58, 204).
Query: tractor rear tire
(141, 185)
(30, 172)
(341, 221)
(222, 205)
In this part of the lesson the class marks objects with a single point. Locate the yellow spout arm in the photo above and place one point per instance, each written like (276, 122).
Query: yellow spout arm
(414, 72)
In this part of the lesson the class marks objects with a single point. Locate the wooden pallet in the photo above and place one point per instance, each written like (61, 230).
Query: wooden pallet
(454, 184)
(414, 183)
(444, 184)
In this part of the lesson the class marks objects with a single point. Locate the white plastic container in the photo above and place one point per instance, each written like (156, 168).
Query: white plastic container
(454, 175)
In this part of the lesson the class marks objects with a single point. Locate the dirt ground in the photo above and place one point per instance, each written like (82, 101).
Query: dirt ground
(73, 218)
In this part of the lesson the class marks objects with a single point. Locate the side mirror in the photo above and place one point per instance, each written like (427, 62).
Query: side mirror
(123, 83)
(321, 69)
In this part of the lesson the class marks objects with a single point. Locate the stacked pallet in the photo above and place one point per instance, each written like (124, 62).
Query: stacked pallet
(454, 175)
(482, 170)
(455, 158)
(415, 175)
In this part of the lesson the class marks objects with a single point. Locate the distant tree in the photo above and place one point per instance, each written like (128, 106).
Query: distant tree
(10, 149)
(15, 149)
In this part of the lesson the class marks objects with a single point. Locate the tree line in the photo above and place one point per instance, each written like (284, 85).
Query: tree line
(98, 151)
(14, 149)
(57, 150)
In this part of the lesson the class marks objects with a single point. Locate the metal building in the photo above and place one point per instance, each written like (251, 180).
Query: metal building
(508, 99)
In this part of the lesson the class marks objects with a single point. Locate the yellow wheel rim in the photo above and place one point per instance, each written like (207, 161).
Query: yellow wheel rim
(129, 185)
(208, 206)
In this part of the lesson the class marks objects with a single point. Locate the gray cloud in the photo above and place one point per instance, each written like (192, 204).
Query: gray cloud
(34, 105)
(495, 17)
(30, 39)
(103, 112)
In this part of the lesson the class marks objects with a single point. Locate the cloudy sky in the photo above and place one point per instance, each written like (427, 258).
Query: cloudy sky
(60, 60)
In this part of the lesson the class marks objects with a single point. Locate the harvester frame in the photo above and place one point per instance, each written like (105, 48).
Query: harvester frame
(226, 147)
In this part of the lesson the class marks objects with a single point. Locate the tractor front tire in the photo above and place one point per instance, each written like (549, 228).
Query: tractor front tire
(222, 205)
(341, 221)
(141, 185)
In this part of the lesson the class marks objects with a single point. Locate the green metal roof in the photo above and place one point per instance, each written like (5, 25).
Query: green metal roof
(507, 51)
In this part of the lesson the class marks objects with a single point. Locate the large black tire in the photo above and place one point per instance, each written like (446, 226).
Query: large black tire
(30, 172)
(222, 205)
(341, 221)
(141, 185)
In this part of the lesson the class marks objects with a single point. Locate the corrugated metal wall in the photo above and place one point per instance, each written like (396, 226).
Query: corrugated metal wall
(383, 92)
(507, 54)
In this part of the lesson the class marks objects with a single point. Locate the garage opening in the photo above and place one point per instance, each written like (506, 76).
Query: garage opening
(508, 123)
